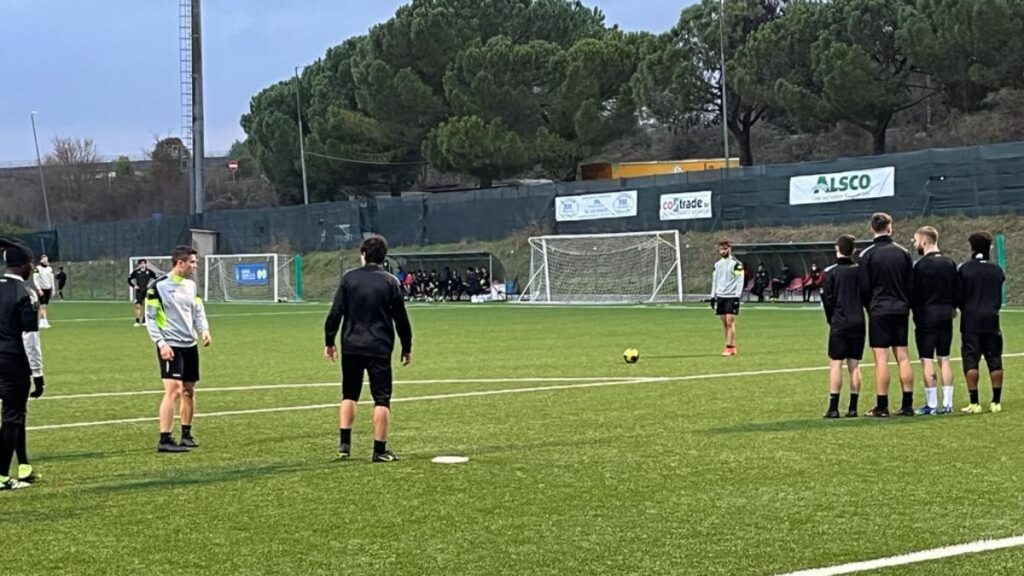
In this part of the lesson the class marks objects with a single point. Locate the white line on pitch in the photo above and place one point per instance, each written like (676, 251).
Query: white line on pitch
(335, 404)
(479, 393)
(205, 390)
(332, 385)
(915, 557)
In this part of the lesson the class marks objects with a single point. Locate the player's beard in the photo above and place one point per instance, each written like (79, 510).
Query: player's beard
(920, 251)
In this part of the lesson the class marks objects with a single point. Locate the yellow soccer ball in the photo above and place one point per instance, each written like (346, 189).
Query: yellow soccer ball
(631, 355)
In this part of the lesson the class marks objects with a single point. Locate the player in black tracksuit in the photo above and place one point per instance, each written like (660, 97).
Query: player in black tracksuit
(979, 295)
(887, 280)
(932, 302)
(20, 361)
(369, 308)
(844, 310)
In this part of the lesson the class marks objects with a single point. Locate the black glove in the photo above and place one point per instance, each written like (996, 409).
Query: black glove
(714, 303)
(39, 384)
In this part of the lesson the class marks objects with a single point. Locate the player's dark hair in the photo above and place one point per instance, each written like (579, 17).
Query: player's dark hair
(846, 244)
(181, 253)
(143, 261)
(981, 243)
(880, 221)
(375, 249)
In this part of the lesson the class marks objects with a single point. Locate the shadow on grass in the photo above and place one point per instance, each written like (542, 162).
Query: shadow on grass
(207, 477)
(807, 424)
(46, 457)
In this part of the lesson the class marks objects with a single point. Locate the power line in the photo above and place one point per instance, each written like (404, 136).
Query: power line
(365, 162)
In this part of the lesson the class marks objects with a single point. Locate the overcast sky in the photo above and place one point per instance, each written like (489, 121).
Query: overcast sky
(108, 69)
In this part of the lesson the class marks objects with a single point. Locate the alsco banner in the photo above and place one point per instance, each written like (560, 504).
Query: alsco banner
(842, 186)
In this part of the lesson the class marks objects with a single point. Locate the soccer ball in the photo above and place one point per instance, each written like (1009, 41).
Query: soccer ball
(631, 355)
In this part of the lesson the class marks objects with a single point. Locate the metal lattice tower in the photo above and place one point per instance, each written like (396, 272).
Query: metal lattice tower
(185, 51)
(190, 47)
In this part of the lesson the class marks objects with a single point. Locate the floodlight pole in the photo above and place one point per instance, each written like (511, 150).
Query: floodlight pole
(302, 145)
(725, 103)
(42, 180)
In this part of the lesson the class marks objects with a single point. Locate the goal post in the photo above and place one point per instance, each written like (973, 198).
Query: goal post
(160, 265)
(634, 267)
(248, 278)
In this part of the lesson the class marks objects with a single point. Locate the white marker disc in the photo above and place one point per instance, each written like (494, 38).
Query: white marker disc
(450, 460)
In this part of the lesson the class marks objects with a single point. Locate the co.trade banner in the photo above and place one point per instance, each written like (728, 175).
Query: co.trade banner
(686, 206)
(595, 206)
(842, 186)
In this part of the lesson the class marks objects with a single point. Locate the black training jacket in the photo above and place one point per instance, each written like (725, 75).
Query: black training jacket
(841, 296)
(887, 278)
(368, 307)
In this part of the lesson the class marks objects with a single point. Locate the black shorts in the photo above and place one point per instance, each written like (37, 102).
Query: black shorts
(889, 331)
(934, 339)
(725, 306)
(14, 390)
(352, 369)
(975, 346)
(846, 344)
(44, 296)
(140, 297)
(184, 366)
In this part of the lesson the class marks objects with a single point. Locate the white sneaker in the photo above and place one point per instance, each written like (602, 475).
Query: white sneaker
(44, 324)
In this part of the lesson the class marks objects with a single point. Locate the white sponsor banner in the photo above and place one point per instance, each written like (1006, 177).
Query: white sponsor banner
(595, 206)
(842, 186)
(686, 206)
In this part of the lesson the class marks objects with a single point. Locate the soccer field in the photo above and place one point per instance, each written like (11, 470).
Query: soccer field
(685, 463)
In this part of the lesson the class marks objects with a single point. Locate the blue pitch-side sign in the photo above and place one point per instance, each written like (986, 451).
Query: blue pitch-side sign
(252, 274)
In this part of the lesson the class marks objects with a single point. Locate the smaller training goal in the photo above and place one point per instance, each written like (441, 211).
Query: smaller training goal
(248, 278)
(637, 267)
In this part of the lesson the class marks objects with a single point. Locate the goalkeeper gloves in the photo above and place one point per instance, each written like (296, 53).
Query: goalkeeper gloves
(714, 303)
(39, 384)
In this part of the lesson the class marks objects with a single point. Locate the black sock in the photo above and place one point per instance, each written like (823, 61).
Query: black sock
(165, 438)
(20, 447)
(8, 440)
(997, 395)
(346, 435)
(186, 431)
(908, 400)
(974, 396)
(883, 402)
(833, 402)
(853, 401)
(380, 446)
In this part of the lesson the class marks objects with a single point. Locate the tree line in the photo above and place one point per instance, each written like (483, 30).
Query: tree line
(507, 88)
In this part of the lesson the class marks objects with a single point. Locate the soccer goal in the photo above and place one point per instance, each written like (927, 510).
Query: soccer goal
(160, 265)
(605, 268)
(248, 278)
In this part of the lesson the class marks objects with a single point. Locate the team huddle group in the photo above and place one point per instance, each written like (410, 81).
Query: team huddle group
(887, 283)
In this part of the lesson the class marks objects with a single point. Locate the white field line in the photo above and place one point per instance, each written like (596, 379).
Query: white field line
(335, 404)
(335, 384)
(206, 390)
(915, 557)
(477, 393)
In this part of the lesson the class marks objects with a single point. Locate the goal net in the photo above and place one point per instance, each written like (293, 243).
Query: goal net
(605, 268)
(160, 265)
(248, 278)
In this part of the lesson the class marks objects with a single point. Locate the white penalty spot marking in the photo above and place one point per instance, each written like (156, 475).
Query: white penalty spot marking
(914, 557)
(450, 460)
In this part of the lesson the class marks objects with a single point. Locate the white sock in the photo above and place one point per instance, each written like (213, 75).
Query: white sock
(932, 397)
(947, 396)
